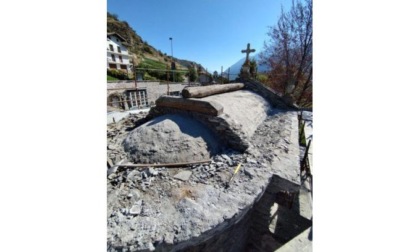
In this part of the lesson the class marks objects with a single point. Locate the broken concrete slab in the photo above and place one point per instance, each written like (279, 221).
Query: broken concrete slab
(135, 209)
(183, 175)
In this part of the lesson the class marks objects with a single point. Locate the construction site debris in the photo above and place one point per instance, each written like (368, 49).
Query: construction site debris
(176, 211)
(171, 138)
(183, 175)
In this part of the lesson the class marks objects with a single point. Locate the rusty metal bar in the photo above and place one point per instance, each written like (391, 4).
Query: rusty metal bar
(163, 165)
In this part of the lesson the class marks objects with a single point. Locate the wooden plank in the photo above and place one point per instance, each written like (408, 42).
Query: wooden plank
(199, 92)
(204, 107)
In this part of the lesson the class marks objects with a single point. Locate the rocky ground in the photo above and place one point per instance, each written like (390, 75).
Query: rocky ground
(155, 207)
(116, 133)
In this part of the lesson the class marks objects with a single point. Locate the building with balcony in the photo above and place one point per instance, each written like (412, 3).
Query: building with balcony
(117, 53)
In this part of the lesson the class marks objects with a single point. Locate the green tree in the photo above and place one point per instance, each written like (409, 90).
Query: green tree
(253, 68)
(192, 73)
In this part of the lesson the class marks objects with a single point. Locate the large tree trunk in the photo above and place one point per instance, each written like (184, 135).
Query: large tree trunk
(199, 92)
(204, 107)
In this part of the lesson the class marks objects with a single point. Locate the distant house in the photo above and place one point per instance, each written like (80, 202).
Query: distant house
(117, 53)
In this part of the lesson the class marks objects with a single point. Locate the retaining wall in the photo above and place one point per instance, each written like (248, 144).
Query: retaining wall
(154, 89)
(275, 99)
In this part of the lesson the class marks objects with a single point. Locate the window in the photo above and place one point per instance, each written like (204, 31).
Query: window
(111, 48)
(137, 99)
(120, 58)
(113, 57)
(119, 49)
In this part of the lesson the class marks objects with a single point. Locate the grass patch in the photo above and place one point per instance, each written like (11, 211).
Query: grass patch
(110, 78)
(154, 64)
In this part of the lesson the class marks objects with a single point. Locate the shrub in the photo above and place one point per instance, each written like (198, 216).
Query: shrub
(147, 76)
(262, 78)
(116, 73)
(147, 49)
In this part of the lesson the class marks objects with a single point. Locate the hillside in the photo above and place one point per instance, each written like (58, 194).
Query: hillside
(145, 55)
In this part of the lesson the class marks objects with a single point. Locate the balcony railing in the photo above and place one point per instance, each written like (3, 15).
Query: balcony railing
(120, 53)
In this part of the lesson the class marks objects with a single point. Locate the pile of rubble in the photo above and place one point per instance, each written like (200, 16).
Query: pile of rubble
(171, 138)
(116, 133)
(174, 208)
(238, 146)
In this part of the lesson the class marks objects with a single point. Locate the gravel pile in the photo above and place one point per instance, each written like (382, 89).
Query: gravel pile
(171, 138)
(116, 133)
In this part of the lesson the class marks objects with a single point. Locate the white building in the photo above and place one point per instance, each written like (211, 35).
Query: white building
(117, 53)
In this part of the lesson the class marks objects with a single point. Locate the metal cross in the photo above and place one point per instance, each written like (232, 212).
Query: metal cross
(248, 51)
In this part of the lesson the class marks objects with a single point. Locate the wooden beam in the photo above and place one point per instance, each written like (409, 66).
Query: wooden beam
(204, 107)
(199, 92)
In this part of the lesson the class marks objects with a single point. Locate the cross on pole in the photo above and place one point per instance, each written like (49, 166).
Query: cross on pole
(248, 51)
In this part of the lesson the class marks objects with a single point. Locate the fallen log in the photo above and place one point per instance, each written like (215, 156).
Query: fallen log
(204, 107)
(199, 92)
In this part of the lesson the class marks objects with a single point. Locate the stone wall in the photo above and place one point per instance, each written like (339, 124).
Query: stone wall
(270, 95)
(154, 89)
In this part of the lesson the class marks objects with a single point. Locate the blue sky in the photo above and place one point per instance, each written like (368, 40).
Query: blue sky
(209, 32)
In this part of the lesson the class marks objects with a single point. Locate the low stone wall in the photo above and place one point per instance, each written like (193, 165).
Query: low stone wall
(154, 89)
(270, 95)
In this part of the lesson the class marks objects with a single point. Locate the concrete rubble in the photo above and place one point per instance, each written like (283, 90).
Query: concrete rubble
(192, 208)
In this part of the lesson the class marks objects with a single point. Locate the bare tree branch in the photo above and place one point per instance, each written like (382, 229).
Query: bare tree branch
(289, 52)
